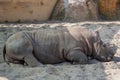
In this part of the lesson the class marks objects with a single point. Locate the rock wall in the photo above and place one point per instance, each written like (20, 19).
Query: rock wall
(76, 10)
(109, 9)
(59, 10)
(25, 10)
(87, 10)
(81, 10)
(65, 10)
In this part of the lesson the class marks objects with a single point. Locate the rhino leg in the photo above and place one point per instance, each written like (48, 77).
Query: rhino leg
(31, 61)
(20, 50)
(77, 57)
(12, 60)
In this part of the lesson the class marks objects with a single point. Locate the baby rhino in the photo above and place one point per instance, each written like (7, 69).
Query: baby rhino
(51, 46)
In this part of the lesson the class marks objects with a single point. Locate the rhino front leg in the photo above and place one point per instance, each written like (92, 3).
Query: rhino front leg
(77, 57)
(31, 61)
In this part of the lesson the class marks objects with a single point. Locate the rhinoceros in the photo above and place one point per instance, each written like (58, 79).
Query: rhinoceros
(52, 46)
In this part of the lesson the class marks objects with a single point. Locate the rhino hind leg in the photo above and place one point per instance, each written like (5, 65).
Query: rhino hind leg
(31, 61)
(77, 57)
(19, 49)
(15, 61)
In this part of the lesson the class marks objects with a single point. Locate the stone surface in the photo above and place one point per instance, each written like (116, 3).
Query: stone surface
(59, 11)
(66, 10)
(109, 9)
(77, 10)
(81, 10)
(25, 10)
(84, 10)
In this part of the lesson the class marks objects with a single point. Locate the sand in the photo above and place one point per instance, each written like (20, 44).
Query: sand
(95, 70)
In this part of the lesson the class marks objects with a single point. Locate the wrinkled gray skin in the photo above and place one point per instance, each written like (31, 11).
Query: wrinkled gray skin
(51, 46)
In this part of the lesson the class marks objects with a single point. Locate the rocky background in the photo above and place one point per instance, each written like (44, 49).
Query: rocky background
(25, 10)
(87, 10)
(60, 10)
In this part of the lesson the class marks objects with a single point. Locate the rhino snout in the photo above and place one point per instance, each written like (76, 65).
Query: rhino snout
(106, 59)
(113, 48)
(110, 57)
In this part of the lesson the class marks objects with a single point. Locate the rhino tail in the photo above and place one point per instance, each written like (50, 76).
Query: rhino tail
(4, 55)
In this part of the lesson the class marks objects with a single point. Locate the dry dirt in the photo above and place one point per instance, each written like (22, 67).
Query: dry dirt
(95, 70)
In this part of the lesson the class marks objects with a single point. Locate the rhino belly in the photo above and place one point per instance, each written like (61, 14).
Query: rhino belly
(47, 54)
(48, 47)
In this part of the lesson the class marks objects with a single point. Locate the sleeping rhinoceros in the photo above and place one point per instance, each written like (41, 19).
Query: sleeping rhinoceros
(51, 46)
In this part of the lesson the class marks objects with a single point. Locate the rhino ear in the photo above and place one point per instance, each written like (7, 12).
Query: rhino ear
(97, 33)
(98, 30)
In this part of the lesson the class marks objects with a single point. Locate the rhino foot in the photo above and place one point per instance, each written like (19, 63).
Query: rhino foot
(77, 57)
(31, 61)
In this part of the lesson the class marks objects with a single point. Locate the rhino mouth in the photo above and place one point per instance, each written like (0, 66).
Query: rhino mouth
(105, 59)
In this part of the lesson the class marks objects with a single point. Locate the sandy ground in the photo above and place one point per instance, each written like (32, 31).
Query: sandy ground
(95, 70)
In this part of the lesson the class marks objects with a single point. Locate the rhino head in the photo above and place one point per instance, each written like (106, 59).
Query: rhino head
(102, 52)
